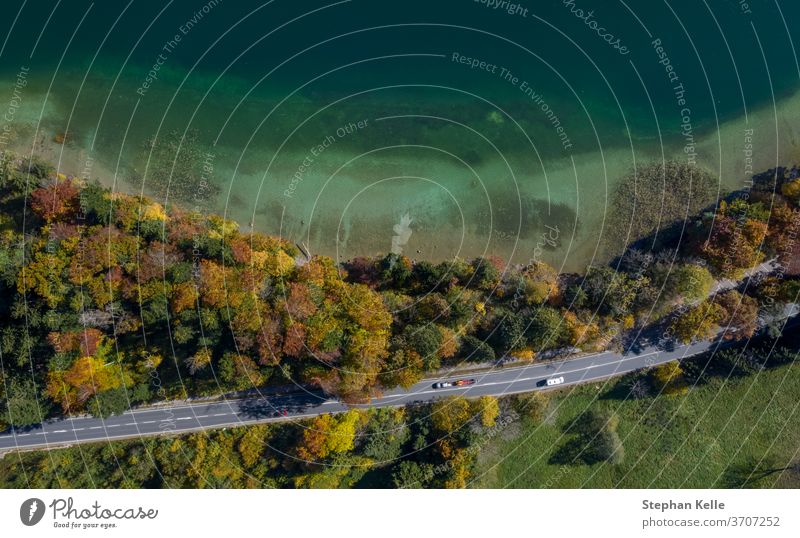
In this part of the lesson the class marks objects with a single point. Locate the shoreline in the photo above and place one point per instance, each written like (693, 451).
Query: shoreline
(453, 217)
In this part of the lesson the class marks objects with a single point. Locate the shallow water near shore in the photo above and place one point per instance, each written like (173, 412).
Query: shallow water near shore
(471, 130)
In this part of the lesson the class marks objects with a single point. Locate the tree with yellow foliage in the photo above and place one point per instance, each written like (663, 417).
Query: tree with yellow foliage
(791, 190)
(488, 409)
(668, 379)
(329, 434)
(252, 443)
(199, 361)
(540, 283)
(45, 277)
(460, 464)
(581, 333)
(87, 376)
(450, 414)
(698, 322)
(403, 368)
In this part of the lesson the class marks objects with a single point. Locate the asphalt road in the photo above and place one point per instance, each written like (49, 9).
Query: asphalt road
(185, 417)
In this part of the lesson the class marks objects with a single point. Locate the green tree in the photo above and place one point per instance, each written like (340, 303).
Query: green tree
(108, 402)
(692, 282)
(533, 405)
(476, 350)
(426, 341)
(612, 293)
(596, 441)
(385, 434)
(410, 474)
(486, 274)
(547, 329)
(23, 406)
(606, 446)
(509, 334)
(395, 271)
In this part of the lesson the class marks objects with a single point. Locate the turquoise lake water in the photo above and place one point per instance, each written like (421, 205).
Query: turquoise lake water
(329, 122)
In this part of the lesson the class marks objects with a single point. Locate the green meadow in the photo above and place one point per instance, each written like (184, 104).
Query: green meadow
(739, 432)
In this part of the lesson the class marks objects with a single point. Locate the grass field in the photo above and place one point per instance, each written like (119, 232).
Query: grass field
(714, 436)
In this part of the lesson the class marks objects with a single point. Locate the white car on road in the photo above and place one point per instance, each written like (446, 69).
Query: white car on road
(555, 381)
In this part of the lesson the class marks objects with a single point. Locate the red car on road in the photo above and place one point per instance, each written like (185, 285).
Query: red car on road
(458, 383)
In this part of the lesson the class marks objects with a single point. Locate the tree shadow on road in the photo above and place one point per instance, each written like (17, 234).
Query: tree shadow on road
(276, 406)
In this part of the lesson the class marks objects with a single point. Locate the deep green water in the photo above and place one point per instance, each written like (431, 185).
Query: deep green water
(478, 164)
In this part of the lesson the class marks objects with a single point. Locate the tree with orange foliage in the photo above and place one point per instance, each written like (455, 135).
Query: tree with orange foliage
(184, 297)
(294, 341)
(735, 239)
(450, 343)
(741, 314)
(57, 201)
(220, 286)
(298, 302)
(85, 377)
(269, 341)
(85, 342)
